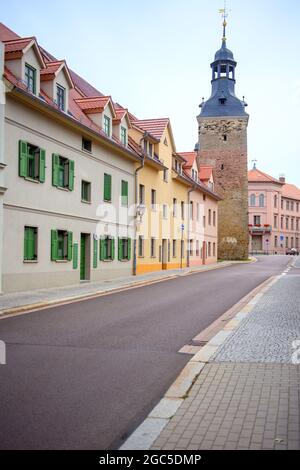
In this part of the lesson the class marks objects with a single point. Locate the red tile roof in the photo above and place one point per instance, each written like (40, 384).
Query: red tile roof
(205, 172)
(51, 68)
(189, 157)
(291, 191)
(7, 34)
(257, 176)
(94, 104)
(155, 127)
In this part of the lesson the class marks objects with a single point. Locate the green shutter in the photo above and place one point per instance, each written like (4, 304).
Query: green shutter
(55, 169)
(42, 165)
(129, 248)
(70, 245)
(107, 187)
(124, 192)
(75, 255)
(95, 253)
(31, 244)
(23, 158)
(54, 245)
(102, 249)
(120, 249)
(112, 248)
(71, 174)
(25, 243)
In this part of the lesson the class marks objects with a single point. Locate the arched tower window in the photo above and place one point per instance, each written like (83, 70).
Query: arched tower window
(252, 200)
(261, 200)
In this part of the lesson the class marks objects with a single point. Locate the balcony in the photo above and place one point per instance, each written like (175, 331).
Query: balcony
(260, 229)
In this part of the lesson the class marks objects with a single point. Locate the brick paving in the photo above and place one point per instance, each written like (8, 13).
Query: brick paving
(238, 406)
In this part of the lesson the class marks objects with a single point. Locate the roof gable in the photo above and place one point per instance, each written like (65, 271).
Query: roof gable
(257, 176)
(53, 68)
(16, 48)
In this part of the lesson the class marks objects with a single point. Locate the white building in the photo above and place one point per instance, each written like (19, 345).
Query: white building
(69, 174)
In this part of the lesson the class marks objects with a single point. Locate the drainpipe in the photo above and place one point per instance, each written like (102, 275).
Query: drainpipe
(136, 202)
(188, 226)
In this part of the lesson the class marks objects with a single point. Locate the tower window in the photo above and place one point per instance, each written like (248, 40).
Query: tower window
(223, 70)
(222, 166)
(225, 138)
(222, 101)
(231, 72)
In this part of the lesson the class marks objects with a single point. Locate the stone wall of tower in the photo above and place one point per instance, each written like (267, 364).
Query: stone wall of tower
(223, 145)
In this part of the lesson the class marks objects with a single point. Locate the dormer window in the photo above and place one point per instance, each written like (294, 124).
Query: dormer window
(124, 135)
(195, 175)
(177, 166)
(150, 149)
(107, 125)
(61, 97)
(30, 78)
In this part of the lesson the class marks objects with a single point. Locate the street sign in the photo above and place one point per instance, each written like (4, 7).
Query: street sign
(281, 238)
(182, 227)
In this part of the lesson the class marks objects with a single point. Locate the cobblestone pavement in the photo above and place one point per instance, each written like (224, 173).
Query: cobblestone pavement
(247, 397)
(269, 331)
(238, 406)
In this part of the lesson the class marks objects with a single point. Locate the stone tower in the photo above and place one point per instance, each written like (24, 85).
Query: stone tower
(223, 124)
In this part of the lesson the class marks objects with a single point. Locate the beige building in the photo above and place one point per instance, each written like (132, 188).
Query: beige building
(2, 154)
(69, 175)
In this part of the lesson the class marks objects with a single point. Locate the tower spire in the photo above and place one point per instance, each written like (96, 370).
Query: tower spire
(224, 14)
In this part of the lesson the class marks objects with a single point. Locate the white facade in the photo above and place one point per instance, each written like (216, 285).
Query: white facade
(2, 155)
(46, 207)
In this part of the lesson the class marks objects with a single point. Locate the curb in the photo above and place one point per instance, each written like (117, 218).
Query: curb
(146, 434)
(28, 308)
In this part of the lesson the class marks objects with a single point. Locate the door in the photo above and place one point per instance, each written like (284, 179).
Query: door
(83, 257)
(164, 254)
(257, 243)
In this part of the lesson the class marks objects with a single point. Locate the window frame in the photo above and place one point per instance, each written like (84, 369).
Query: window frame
(28, 78)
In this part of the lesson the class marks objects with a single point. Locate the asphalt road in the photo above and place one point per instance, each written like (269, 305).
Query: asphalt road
(85, 375)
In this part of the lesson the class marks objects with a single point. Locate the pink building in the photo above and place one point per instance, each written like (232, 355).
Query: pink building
(274, 213)
(203, 223)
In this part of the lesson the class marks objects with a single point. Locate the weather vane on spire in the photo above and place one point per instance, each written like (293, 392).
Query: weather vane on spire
(224, 13)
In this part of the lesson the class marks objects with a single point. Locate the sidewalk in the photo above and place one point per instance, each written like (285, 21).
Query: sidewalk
(40, 298)
(241, 390)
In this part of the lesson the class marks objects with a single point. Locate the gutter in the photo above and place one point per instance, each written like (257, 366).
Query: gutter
(135, 216)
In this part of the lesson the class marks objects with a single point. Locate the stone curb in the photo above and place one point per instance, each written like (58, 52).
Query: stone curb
(77, 298)
(146, 434)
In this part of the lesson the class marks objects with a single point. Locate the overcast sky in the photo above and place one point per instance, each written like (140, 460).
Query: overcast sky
(154, 58)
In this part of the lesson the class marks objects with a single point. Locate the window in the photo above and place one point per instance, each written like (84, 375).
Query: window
(191, 247)
(86, 144)
(287, 205)
(153, 247)
(297, 207)
(107, 248)
(224, 138)
(142, 194)
(141, 246)
(85, 191)
(292, 242)
(62, 172)
(30, 243)
(276, 241)
(281, 223)
(124, 249)
(209, 248)
(194, 175)
(261, 200)
(275, 201)
(107, 125)
(222, 101)
(165, 175)
(257, 220)
(61, 97)
(30, 78)
(150, 149)
(209, 216)
(174, 207)
(214, 218)
(124, 193)
(197, 248)
(124, 135)
(182, 210)
(252, 200)
(292, 224)
(204, 221)
(292, 206)
(145, 146)
(153, 199)
(32, 162)
(191, 210)
(297, 225)
(107, 188)
(165, 211)
(275, 221)
(177, 166)
(287, 223)
(61, 245)
(281, 203)
(174, 248)
(297, 243)
(214, 249)
(287, 242)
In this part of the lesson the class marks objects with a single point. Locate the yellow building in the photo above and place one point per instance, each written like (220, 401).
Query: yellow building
(162, 196)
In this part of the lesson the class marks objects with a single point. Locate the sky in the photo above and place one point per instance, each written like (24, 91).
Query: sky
(154, 58)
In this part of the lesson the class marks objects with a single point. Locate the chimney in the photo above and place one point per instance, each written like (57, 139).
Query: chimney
(282, 179)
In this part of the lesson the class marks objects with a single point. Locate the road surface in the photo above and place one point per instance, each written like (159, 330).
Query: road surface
(85, 375)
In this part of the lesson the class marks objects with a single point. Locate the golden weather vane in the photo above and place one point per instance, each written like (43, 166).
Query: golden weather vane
(224, 14)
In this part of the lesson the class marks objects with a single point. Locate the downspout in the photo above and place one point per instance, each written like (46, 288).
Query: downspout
(135, 216)
(188, 227)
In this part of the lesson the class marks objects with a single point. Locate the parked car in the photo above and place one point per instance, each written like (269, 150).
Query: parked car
(292, 251)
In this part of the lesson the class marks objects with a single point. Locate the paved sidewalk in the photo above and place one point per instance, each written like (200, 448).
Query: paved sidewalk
(247, 393)
(43, 297)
